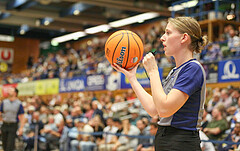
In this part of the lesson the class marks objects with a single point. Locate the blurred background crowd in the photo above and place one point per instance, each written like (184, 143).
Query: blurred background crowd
(66, 62)
(84, 121)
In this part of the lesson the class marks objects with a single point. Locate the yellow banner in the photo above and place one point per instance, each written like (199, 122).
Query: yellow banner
(26, 89)
(45, 87)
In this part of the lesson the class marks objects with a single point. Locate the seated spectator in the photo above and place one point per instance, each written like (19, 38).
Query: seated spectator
(64, 139)
(84, 141)
(141, 125)
(98, 125)
(150, 146)
(234, 43)
(213, 52)
(107, 138)
(125, 143)
(206, 118)
(50, 134)
(96, 110)
(216, 128)
(225, 98)
(234, 136)
(58, 117)
(135, 116)
(114, 138)
(236, 116)
(214, 102)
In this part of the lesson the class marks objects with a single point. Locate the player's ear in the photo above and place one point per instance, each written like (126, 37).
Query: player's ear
(185, 37)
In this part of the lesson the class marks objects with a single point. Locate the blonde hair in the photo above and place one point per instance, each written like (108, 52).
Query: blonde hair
(190, 26)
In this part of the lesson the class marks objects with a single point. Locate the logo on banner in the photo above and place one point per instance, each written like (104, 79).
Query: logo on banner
(6, 55)
(229, 71)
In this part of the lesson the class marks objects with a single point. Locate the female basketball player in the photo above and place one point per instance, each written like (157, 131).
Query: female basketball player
(178, 101)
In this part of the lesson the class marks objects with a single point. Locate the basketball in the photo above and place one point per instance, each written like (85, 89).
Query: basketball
(125, 48)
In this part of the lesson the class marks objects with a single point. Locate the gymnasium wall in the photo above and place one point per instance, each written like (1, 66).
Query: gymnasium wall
(23, 49)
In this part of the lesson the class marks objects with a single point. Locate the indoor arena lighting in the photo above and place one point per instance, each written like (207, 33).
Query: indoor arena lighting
(134, 19)
(96, 29)
(105, 27)
(183, 5)
(68, 37)
(6, 38)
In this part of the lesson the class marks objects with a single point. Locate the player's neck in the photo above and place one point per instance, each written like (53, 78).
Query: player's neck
(12, 98)
(182, 58)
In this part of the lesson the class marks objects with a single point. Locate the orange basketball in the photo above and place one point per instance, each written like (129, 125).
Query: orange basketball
(125, 48)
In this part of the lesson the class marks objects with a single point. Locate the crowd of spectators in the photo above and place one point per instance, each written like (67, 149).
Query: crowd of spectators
(65, 123)
(86, 122)
(89, 58)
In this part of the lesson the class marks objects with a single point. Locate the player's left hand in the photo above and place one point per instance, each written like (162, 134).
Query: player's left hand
(150, 63)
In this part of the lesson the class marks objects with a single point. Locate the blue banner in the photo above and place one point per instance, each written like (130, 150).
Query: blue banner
(95, 82)
(229, 70)
(141, 76)
(72, 85)
(113, 81)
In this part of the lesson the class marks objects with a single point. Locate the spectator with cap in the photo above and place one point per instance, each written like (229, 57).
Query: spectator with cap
(12, 112)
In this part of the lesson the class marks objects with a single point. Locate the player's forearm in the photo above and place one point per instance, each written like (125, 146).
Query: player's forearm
(22, 121)
(145, 98)
(158, 94)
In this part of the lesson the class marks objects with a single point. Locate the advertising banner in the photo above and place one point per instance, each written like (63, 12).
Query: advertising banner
(26, 89)
(95, 82)
(141, 76)
(72, 85)
(113, 81)
(211, 70)
(6, 55)
(229, 70)
(46, 87)
(6, 87)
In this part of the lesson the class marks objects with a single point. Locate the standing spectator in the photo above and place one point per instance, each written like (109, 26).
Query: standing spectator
(12, 112)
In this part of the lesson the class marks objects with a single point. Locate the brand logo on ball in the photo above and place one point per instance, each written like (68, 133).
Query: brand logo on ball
(120, 58)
